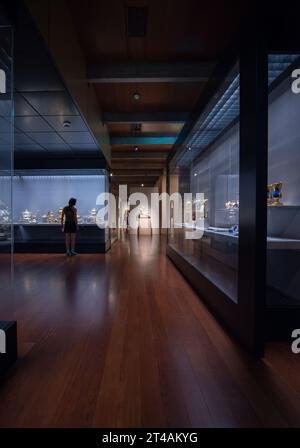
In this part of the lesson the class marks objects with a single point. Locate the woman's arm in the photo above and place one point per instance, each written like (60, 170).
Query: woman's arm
(75, 216)
(62, 220)
(62, 217)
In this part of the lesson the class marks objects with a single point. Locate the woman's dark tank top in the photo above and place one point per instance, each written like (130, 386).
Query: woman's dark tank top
(70, 214)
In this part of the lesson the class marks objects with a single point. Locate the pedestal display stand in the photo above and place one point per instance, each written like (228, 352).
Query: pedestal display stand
(8, 345)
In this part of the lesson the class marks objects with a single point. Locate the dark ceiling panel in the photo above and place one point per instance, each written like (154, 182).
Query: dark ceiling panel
(4, 125)
(77, 137)
(22, 139)
(34, 70)
(51, 103)
(32, 124)
(22, 107)
(5, 137)
(57, 147)
(85, 147)
(45, 138)
(76, 123)
(42, 103)
(5, 108)
(31, 147)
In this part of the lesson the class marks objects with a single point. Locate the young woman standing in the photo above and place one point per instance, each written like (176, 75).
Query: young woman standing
(69, 226)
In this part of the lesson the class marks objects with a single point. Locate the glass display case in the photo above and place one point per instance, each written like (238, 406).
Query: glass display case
(283, 199)
(223, 155)
(210, 166)
(6, 167)
(39, 198)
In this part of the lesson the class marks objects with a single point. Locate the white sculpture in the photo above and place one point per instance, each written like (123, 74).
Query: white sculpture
(2, 342)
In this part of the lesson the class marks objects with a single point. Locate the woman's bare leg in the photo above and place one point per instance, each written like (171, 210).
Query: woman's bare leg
(68, 241)
(72, 241)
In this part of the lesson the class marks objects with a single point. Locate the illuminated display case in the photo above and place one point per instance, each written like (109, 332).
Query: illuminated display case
(283, 213)
(39, 197)
(222, 156)
(210, 166)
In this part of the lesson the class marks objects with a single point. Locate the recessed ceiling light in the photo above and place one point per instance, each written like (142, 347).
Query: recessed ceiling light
(195, 174)
(66, 124)
(136, 96)
(111, 174)
(136, 148)
(190, 148)
(142, 185)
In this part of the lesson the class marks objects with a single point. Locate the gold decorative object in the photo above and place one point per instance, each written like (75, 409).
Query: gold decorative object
(269, 194)
(51, 217)
(277, 194)
(59, 215)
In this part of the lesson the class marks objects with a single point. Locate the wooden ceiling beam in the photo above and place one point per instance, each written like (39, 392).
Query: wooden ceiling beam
(140, 140)
(133, 72)
(144, 117)
(137, 165)
(139, 155)
(133, 181)
(134, 172)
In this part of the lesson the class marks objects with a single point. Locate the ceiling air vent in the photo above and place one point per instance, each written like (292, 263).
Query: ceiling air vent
(136, 21)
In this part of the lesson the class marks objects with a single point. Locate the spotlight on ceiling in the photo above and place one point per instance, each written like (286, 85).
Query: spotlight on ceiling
(142, 185)
(66, 124)
(189, 148)
(111, 174)
(136, 148)
(136, 96)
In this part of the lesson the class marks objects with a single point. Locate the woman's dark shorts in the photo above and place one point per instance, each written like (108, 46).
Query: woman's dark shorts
(70, 227)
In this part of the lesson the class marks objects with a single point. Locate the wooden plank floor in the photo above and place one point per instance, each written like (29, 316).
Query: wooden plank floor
(121, 340)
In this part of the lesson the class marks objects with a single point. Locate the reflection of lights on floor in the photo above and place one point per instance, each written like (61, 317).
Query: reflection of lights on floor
(111, 301)
(27, 284)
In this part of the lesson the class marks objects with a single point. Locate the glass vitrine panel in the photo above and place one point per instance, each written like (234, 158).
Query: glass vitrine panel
(208, 168)
(283, 193)
(6, 166)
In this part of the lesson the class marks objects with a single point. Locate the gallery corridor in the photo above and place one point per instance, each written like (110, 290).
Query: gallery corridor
(121, 340)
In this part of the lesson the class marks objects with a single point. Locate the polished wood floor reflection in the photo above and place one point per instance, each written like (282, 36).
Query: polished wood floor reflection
(121, 340)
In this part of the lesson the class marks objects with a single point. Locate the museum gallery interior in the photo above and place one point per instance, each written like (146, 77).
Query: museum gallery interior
(147, 326)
